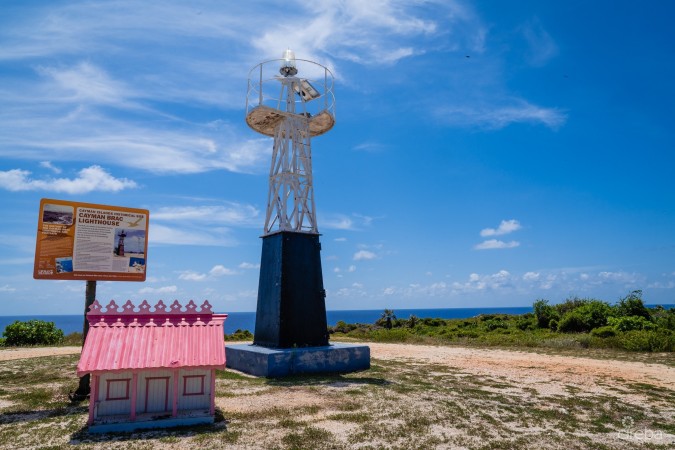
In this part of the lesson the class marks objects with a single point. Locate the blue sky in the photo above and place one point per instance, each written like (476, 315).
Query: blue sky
(485, 153)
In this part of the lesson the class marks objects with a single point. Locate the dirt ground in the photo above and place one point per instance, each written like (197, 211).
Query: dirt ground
(517, 366)
(426, 396)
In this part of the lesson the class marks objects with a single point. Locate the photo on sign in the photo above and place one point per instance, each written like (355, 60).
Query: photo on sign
(61, 214)
(64, 265)
(129, 243)
(136, 264)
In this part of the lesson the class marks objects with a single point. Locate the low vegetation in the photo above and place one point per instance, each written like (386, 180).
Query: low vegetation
(31, 332)
(575, 323)
(239, 335)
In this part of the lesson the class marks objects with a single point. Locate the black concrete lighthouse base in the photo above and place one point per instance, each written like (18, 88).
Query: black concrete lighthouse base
(291, 333)
(291, 308)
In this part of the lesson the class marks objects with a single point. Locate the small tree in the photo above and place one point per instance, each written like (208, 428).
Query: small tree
(386, 319)
(544, 313)
(32, 332)
(591, 314)
(412, 321)
(632, 305)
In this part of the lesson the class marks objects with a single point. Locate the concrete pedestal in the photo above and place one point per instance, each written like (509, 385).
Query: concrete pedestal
(273, 362)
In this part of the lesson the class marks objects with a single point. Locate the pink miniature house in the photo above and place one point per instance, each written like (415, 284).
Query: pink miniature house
(152, 369)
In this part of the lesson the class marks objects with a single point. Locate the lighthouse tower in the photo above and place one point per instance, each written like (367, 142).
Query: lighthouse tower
(292, 101)
(291, 309)
(120, 243)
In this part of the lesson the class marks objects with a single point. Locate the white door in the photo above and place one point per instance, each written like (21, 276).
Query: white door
(156, 394)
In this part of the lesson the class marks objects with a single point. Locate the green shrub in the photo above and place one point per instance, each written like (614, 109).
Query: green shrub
(494, 324)
(630, 323)
(32, 332)
(433, 322)
(390, 335)
(239, 335)
(412, 321)
(2, 342)
(570, 305)
(526, 323)
(632, 305)
(648, 340)
(553, 325)
(544, 313)
(74, 338)
(604, 332)
(591, 314)
(664, 318)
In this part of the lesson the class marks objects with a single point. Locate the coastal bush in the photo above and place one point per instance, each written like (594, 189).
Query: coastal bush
(391, 335)
(494, 324)
(387, 319)
(570, 305)
(544, 313)
(632, 305)
(412, 321)
(239, 335)
(648, 340)
(664, 318)
(604, 332)
(433, 322)
(32, 332)
(2, 342)
(74, 338)
(630, 323)
(526, 322)
(585, 323)
(590, 314)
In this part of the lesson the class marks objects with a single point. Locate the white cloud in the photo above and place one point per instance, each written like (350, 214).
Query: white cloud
(93, 178)
(353, 222)
(230, 214)
(160, 290)
(477, 282)
(363, 255)
(50, 166)
(369, 146)
(7, 288)
(220, 270)
(247, 266)
(492, 244)
(542, 47)
(531, 276)
(87, 83)
(496, 117)
(505, 227)
(216, 271)
(192, 276)
(161, 234)
(352, 268)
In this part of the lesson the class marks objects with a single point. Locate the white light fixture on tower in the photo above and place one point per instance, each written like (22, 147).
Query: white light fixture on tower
(288, 63)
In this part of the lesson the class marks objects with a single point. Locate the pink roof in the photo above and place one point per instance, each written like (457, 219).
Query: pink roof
(162, 339)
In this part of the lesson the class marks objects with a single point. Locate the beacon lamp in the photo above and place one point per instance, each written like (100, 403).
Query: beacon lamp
(288, 63)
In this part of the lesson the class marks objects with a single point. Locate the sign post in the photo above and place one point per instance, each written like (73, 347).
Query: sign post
(85, 241)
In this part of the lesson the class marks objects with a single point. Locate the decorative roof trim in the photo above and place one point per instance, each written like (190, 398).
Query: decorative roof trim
(128, 309)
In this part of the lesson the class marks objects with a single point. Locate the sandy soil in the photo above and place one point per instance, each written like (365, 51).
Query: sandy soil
(541, 399)
(524, 367)
(7, 354)
(518, 366)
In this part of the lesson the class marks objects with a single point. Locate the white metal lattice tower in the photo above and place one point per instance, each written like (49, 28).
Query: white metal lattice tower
(292, 110)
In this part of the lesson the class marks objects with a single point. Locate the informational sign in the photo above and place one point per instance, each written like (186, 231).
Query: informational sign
(84, 241)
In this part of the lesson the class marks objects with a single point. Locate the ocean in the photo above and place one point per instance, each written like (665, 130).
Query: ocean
(246, 320)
